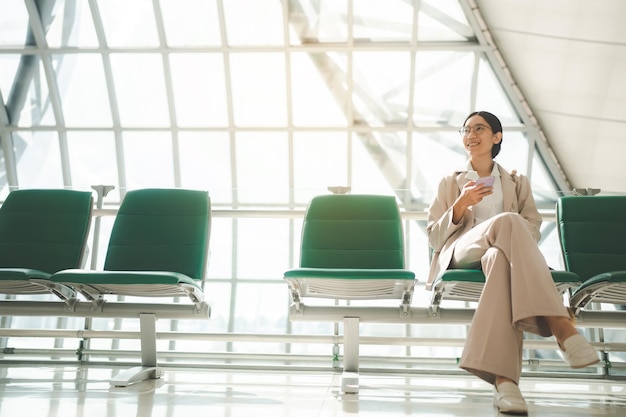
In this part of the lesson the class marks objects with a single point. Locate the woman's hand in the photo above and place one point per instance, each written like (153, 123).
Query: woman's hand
(474, 193)
(471, 194)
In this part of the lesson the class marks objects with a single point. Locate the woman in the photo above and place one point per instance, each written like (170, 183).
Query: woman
(496, 228)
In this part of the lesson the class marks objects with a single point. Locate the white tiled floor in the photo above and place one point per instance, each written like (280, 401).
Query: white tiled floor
(76, 391)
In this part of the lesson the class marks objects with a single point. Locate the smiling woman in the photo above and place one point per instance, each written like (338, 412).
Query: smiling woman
(495, 229)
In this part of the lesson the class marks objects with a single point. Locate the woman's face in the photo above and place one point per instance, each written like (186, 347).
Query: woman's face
(478, 138)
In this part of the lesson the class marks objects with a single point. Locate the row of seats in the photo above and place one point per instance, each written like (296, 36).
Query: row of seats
(353, 249)
(157, 248)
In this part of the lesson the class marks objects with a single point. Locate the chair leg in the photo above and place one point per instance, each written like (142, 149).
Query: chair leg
(148, 368)
(350, 377)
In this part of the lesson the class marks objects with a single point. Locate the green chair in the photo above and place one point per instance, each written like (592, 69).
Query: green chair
(352, 248)
(158, 248)
(467, 285)
(591, 231)
(42, 231)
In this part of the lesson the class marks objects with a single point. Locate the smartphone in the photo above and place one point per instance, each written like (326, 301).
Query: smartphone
(487, 181)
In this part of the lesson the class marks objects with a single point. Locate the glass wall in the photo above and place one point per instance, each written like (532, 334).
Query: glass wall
(265, 103)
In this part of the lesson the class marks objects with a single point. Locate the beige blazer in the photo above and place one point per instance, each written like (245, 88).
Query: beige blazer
(443, 234)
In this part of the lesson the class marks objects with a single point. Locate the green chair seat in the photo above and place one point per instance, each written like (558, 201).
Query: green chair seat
(467, 284)
(94, 284)
(79, 276)
(463, 275)
(565, 278)
(608, 287)
(351, 284)
(18, 281)
(350, 273)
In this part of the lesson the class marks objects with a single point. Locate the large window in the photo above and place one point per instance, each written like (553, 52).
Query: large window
(265, 103)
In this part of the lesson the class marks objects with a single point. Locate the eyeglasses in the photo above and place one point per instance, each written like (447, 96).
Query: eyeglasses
(478, 129)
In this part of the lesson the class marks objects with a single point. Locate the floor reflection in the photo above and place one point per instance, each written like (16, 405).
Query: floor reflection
(83, 391)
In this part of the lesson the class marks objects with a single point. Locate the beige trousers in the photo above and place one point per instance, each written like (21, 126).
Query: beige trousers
(518, 293)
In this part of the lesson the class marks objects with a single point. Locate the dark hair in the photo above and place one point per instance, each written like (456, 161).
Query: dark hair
(494, 124)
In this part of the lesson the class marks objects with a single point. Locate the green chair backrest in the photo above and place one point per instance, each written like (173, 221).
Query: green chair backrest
(352, 231)
(592, 230)
(161, 230)
(45, 230)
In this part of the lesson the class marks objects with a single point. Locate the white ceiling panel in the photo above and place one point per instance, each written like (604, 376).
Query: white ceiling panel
(569, 59)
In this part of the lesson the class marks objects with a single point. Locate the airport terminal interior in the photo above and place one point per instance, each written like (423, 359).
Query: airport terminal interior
(255, 108)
